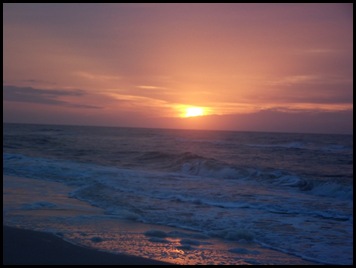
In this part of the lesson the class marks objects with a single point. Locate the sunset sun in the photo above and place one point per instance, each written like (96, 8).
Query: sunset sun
(193, 111)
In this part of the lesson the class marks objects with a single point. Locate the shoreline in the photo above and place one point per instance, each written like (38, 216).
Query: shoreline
(21, 246)
(126, 240)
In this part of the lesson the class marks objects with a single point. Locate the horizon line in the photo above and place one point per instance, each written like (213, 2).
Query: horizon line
(189, 129)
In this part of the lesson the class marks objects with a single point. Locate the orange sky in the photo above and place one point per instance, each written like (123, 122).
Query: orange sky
(264, 67)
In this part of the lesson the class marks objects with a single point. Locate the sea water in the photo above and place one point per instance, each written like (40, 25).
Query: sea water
(186, 196)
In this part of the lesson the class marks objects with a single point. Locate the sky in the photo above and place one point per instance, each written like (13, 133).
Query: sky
(245, 67)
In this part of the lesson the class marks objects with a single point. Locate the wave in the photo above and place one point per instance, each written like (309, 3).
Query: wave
(298, 145)
(200, 186)
(221, 142)
(289, 145)
(38, 205)
(336, 148)
(189, 163)
(333, 189)
(204, 198)
(184, 165)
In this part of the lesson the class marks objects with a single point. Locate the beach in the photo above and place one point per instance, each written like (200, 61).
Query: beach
(26, 247)
(41, 236)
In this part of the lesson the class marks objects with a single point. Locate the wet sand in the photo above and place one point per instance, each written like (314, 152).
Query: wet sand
(37, 248)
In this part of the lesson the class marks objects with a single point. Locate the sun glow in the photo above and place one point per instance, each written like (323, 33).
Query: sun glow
(194, 111)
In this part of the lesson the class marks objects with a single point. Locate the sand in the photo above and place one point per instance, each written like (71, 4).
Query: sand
(37, 248)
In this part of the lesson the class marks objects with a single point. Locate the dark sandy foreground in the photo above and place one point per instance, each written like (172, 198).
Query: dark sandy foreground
(31, 247)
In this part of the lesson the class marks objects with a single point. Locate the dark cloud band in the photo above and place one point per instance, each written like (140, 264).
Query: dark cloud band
(43, 96)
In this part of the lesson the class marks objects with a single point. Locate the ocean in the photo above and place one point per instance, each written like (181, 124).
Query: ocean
(184, 196)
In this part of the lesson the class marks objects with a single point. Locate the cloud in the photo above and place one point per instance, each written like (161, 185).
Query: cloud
(334, 90)
(43, 96)
(99, 77)
(37, 81)
(281, 121)
(308, 79)
(150, 87)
